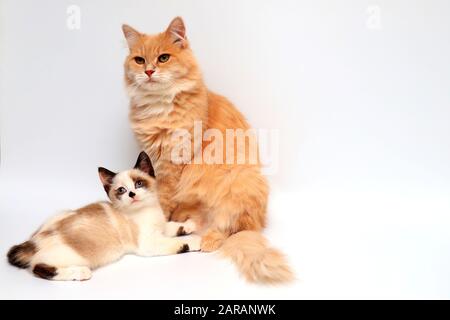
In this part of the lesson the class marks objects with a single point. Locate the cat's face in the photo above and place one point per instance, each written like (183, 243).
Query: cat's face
(159, 62)
(131, 189)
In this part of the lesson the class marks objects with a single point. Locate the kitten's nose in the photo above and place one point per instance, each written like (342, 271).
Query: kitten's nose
(149, 72)
(132, 194)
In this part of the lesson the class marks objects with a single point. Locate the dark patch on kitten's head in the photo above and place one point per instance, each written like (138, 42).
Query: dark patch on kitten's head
(118, 195)
(106, 177)
(144, 164)
(144, 180)
(44, 271)
(184, 248)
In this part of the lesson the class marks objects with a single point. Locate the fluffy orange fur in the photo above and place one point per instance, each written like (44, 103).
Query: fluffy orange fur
(229, 200)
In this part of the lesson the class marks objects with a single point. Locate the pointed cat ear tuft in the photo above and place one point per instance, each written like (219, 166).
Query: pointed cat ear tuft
(177, 32)
(106, 177)
(131, 35)
(144, 164)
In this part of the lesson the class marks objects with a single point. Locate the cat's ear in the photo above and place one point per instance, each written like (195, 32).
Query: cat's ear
(132, 35)
(106, 177)
(144, 164)
(177, 32)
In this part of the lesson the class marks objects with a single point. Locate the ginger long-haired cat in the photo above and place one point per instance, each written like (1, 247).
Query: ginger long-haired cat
(228, 199)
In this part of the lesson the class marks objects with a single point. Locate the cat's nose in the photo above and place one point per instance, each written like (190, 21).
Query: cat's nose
(132, 194)
(149, 72)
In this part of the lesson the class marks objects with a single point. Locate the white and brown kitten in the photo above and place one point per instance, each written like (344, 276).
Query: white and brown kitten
(70, 245)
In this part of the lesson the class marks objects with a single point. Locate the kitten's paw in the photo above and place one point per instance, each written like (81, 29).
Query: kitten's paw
(184, 248)
(187, 228)
(83, 274)
(73, 274)
(190, 226)
(194, 242)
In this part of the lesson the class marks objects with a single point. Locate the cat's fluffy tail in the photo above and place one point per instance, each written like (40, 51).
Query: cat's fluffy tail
(21, 254)
(256, 261)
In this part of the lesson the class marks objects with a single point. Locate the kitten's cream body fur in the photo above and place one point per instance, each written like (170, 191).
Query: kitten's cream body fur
(71, 244)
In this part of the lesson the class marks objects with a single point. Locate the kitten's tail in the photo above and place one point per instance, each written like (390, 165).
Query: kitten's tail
(256, 261)
(21, 254)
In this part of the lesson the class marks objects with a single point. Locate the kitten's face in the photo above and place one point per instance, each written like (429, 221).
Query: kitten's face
(158, 62)
(131, 189)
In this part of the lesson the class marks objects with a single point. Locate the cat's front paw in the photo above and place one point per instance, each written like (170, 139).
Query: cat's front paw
(188, 227)
(211, 241)
(194, 241)
(184, 248)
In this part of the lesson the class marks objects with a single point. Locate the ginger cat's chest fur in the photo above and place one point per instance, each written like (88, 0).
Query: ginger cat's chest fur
(155, 130)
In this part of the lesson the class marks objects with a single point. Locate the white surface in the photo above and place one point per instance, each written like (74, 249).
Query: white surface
(361, 201)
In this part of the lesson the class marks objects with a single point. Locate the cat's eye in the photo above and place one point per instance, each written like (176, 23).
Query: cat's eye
(139, 60)
(164, 57)
(139, 184)
(121, 190)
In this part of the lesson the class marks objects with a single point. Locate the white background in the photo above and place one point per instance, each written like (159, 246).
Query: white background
(361, 198)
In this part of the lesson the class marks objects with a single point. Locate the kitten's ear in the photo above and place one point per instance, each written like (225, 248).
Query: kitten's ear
(144, 164)
(131, 35)
(177, 32)
(106, 177)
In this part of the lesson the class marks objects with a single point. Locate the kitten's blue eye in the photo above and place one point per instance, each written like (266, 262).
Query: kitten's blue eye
(121, 190)
(139, 184)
